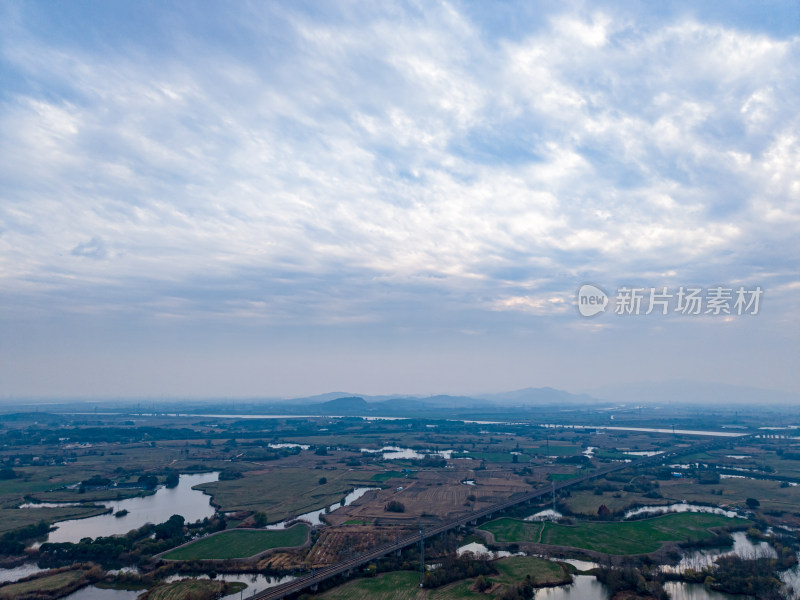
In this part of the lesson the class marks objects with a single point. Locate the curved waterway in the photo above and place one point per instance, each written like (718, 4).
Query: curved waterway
(255, 582)
(313, 516)
(192, 505)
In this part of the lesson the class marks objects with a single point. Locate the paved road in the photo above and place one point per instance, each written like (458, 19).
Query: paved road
(318, 576)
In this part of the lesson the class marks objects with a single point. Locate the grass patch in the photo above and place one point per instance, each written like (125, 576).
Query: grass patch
(498, 457)
(404, 585)
(48, 583)
(241, 543)
(514, 569)
(387, 475)
(587, 502)
(625, 537)
(560, 476)
(397, 585)
(554, 450)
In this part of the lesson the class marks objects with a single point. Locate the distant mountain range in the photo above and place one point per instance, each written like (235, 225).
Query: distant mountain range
(664, 393)
(343, 403)
(661, 393)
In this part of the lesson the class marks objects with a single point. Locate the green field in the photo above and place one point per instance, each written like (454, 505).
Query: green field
(498, 457)
(48, 583)
(561, 476)
(397, 585)
(241, 543)
(514, 569)
(387, 475)
(625, 537)
(404, 585)
(554, 450)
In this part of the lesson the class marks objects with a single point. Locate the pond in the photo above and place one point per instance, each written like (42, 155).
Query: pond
(677, 508)
(255, 582)
(583, 587)
(192, 505)
(586, 587)
(791, 578)
(742, 547)
(397, 453)
(288, 445)
(313, 517)
(679, 590)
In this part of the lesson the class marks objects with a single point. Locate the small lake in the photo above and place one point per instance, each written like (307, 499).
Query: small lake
(397, 453)
(192, 505)
(678, 508)
(583, 587)
(313, 517)
(742, 547)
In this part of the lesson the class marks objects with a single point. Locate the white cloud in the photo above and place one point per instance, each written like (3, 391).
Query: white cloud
(414, 149)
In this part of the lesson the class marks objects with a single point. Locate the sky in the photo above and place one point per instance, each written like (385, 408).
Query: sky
(273, 199)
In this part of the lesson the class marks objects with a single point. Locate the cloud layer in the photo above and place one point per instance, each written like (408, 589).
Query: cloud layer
(397, 165)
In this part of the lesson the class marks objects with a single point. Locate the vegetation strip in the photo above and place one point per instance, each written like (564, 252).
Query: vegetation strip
(617, 537)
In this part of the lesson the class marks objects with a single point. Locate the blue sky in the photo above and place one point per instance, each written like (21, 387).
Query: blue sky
(287, 198)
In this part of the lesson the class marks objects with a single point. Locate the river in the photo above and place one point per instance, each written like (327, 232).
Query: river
(313, 516)
(192, 505)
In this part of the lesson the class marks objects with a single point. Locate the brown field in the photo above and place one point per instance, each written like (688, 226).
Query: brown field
(438, 493)
(336, 544)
